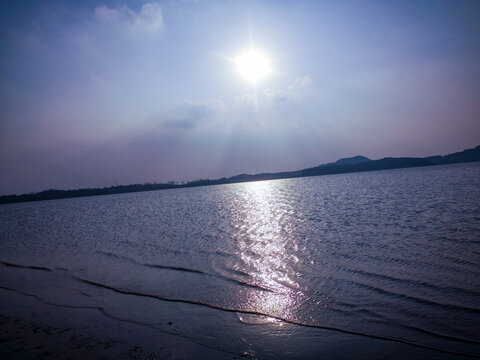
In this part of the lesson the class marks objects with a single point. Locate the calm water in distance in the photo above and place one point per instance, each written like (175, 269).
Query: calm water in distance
(391, 254)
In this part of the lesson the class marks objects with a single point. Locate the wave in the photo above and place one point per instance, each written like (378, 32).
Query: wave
(184, 269)
(31, 267)
(412, 298)
(369, 274)
(158, 266)
(380, 318)
(177, 268)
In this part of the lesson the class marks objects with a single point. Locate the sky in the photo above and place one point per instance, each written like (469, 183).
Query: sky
(98, 93)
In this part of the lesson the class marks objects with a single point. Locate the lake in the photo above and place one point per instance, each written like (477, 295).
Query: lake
(374, 265)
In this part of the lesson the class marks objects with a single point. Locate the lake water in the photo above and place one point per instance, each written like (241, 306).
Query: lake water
(381, 263)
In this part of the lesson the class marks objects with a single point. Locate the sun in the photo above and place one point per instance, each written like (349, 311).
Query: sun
(252, 65)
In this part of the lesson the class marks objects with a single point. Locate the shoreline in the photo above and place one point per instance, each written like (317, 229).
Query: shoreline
(31, 328)
(466, 156)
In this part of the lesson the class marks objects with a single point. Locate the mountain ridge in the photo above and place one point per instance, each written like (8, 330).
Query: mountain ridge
(345, 165)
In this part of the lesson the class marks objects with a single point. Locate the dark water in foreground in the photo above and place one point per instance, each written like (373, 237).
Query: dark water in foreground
(391, 256)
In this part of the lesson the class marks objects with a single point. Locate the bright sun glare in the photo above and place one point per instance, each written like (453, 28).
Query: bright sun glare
(253, 65)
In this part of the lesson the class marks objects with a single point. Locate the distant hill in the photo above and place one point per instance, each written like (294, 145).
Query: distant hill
(348, 161)
(345, 165)
(352, 160)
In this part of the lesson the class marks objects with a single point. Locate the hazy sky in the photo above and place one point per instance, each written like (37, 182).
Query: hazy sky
(98, 92)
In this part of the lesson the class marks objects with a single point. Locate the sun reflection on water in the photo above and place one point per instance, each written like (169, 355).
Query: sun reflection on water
(264, 220)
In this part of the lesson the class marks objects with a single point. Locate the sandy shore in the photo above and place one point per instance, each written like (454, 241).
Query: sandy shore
(31, 329)
(48, 314)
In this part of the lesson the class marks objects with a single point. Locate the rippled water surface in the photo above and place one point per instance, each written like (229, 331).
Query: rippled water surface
(392, 255)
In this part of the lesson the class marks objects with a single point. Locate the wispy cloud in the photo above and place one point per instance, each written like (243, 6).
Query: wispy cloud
(148, 19)
(190, 114)
(271, 97)
(301, 83)
(293, 93)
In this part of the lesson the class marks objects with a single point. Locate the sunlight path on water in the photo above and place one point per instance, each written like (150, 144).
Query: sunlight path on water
(263, 224)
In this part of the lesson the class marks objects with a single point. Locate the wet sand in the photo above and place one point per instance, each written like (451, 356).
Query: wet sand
(31, 329)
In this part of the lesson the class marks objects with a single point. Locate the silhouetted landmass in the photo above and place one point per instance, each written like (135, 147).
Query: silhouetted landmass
(352, 160)
(342, 166)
